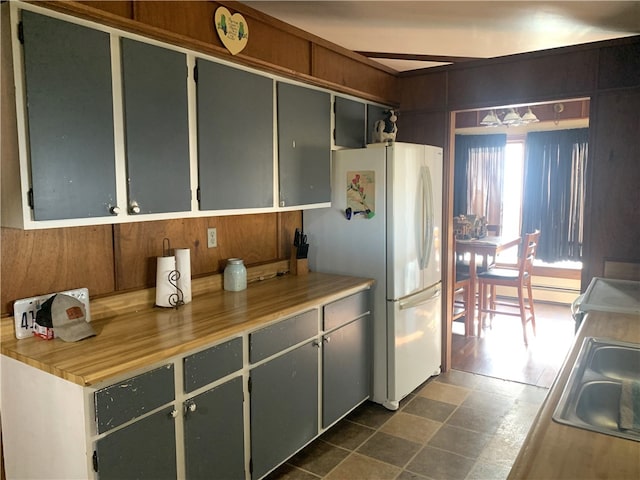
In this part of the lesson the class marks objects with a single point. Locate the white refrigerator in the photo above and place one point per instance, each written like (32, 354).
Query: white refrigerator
(384, 223)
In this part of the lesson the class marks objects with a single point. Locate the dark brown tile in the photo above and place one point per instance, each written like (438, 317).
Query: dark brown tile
(431, 409)
(289, 472)
(347, 434)
(319, 457)
(370, 414)
(390, 449)
(476, 420)
(406, 475)
(440, 465)
(460, 441)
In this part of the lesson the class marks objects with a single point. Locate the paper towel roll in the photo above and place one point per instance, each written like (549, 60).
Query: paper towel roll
(183, 265)
(165, 291)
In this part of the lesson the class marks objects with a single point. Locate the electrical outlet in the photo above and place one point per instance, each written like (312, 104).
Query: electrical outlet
(212, 238)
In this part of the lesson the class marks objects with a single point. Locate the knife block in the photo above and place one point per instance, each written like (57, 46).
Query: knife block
(298, 266)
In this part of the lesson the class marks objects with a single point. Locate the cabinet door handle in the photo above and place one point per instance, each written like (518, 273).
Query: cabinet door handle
(173, 413)
(134, 208)
(189, 407)
(114, 210)
(316, 344)
(326, 339)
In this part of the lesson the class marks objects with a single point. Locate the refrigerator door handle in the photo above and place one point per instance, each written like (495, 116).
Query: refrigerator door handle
(421, 298)
(427, 220)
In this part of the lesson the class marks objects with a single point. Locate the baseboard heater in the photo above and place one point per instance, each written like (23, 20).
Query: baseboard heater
(552, 288)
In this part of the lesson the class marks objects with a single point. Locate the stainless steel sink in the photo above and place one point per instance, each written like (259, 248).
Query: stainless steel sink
(591, 397)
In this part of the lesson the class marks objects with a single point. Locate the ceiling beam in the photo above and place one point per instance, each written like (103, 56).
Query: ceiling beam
(417, 57)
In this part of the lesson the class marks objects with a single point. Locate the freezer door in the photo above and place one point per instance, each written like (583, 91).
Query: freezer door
(414, 342)
(414, 206)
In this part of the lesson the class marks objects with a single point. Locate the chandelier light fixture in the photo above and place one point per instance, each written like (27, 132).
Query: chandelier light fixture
(511, 118)
(491, 120)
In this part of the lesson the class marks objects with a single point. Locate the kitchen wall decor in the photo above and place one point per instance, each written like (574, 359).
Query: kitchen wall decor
(232, 30)
(361, 187)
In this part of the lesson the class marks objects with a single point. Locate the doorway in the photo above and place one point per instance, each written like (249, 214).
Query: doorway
(498, 351)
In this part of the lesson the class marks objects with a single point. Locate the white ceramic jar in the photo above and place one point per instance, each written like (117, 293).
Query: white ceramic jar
(235, 275)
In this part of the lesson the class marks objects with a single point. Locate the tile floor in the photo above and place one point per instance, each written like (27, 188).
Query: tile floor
(458, 425)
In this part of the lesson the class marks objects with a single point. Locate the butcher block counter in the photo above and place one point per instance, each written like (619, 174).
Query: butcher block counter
(556, 451)
(229, 385)
(130, 341)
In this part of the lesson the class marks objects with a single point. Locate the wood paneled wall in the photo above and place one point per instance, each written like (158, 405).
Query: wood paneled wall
(273, 45)
(115, 258)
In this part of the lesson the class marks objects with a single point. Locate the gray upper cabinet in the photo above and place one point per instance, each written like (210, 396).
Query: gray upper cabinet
(235, 138)
(304, 145)
(70, 118)
(154, 82)
(350, 123)
(101, 145)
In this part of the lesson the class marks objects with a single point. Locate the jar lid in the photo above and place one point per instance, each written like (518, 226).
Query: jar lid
(235, 261)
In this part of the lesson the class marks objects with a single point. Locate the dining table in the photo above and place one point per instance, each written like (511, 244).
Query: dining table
(483, 248)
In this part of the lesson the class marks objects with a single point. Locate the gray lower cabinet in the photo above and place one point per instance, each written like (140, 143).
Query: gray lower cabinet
(67, 70)
(214, 433)
(284, 407)
(145, 449)
(154, 90)
(304, 145)
(346, 369)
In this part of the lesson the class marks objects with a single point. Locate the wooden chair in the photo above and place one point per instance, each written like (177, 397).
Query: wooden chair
(519, 278)
(461, 306)
(482, 265)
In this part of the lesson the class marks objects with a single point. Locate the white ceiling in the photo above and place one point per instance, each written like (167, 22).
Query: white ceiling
(456, 28)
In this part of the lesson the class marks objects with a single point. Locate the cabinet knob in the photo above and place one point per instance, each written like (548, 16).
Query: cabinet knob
(134, 208)
(326, 339)
(316, 343)
(192, 407)
(114, 210)
(173, 413)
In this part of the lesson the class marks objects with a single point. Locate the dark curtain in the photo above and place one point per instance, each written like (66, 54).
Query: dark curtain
(554, 190)
(478, 172)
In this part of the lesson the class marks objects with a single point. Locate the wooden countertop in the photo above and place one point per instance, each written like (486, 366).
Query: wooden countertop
(555, 451)
(138, 339)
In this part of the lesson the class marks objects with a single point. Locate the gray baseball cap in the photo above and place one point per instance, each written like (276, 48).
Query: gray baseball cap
(67, 316)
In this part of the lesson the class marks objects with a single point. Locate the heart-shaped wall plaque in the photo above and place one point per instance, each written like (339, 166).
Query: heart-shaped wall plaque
(232, 30)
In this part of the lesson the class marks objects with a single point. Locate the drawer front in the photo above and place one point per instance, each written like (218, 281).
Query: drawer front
(212, 364)
(344, 310)
(126, 400)
(270, 340)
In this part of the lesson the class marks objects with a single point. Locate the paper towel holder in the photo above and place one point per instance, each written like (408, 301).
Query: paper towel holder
(176, 298)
